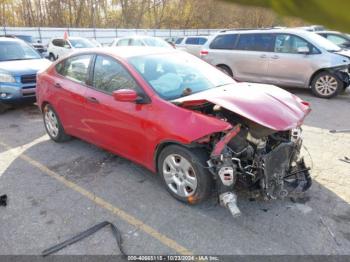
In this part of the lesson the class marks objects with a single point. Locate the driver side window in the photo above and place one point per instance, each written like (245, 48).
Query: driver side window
(286, 43)
(109, 75)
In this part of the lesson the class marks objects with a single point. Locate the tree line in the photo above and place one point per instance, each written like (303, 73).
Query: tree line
(137, 14)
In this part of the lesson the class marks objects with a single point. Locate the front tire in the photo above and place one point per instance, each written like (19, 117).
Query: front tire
(53, 125)
(3, 107)
(184, 174)
(326, 85)
(52, 57)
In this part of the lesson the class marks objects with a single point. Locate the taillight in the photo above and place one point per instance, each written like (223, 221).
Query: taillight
(305, 103)
(203, 53)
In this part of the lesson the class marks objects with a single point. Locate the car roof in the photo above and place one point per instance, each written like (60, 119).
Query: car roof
(69, 37)
(10, 39)
(128, 51)
(136, 36)
(268, 30)
(329, 32)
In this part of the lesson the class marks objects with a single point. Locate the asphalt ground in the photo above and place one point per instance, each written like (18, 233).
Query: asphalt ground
(57, 190)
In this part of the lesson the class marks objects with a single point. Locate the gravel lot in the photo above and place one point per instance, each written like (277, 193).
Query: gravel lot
(57, 190)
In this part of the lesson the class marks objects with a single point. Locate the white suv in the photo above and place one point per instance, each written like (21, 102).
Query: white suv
(59, 47)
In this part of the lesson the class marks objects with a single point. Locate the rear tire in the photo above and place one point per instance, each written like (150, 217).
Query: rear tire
(225, 69)
(53, 125)
(326, 85)
(183, 173)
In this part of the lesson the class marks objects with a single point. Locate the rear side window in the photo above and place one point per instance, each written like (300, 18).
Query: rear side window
(123, 42)
(224, 42)
(192, 41)
(136, 42)
(75, 68)
(256, 42)
(58, 42)
(178, 41)
(202, 40)
(109, 76)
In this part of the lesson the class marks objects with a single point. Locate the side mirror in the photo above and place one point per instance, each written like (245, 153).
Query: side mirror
(125, 95)
(303, 50)
(67, 46)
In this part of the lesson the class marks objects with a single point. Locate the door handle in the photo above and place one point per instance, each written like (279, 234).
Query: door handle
(275, 57)
(263, 56)
(92, 99)
(57, 85)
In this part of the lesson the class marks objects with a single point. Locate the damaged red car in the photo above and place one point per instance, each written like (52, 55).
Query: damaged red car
(181, 118)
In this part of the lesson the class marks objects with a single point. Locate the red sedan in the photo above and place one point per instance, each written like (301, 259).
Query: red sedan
(180, 117)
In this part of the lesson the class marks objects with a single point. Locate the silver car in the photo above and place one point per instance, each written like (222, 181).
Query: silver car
(191, 44)
(283, 57)
(138, 40)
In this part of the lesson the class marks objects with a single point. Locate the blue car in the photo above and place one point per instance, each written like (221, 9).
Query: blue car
(19, 63)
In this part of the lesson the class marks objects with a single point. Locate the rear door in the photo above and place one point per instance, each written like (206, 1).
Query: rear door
(220, 51)
(250, 56)
(69, 88)
(286, 66)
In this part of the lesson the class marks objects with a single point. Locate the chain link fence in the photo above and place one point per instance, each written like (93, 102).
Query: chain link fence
(104, 36)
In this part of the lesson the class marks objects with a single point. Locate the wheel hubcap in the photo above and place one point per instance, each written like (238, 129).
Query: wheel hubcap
(179, 175)
(326, 85)
(51, 123)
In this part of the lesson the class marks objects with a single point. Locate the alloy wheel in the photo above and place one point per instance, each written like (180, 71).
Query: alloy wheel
(51, 122)
(326, 85)
(179, 175)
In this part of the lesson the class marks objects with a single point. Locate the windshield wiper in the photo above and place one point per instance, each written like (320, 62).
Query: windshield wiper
(223, 84)
(187, 91)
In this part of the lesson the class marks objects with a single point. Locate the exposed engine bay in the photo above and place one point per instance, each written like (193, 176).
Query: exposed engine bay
(253, 156)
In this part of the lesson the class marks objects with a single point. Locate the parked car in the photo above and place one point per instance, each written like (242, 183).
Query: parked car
(59, 47)
(138, 40)
(192, 44)
(95, 42)
(180, 117)
(172, 39)
(340, 39)
(38, 46)
(286, 57)
(19, 63)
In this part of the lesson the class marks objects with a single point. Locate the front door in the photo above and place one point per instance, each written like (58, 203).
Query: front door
(114, 125)
(286, 66)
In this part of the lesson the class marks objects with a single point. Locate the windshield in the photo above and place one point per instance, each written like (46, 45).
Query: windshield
(151, 41)
(16, 50)
(178, 74)
(81, 43)
(26, 38)
(323, 42)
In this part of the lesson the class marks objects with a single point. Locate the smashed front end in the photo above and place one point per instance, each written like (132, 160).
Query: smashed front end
(270, 165)
(262, 154)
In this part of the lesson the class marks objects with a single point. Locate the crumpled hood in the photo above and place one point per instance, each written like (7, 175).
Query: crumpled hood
(21, 67)
(266, 105)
